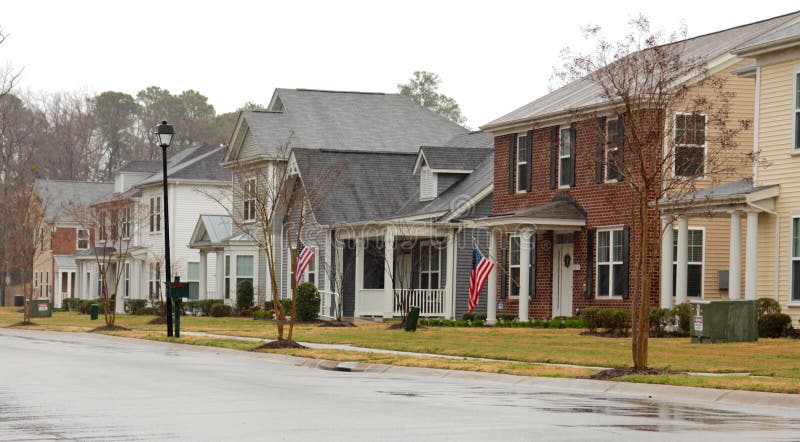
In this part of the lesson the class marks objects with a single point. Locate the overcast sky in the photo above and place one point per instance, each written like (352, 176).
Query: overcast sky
(492, 56)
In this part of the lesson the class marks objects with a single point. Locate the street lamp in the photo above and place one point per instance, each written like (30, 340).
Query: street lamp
(164, 133)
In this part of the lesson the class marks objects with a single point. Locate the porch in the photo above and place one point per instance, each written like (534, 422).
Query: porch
(387, 270)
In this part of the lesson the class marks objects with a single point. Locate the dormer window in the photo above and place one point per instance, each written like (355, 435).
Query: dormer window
(427, 184)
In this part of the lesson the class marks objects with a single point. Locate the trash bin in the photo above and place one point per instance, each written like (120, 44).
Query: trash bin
(40, 308)
(412, 318)
(724, 321)
(95, 311)
(19, 301)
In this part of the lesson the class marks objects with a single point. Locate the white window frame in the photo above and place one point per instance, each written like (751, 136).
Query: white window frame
(226, 287)
(610, 263)
(511, 239)
(701, 263)
(127, 275)
(608, 149)
(78, 239)
(675, 145)
(561, 156)
(251, 277)
(427, 273)
(125, 223)
(154, 211)
(249, 200)
(521, 160)
(792, 302)
(795, 111)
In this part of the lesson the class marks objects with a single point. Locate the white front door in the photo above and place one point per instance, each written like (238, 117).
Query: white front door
(563, 262)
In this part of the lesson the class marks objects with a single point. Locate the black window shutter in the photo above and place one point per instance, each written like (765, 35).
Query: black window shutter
(626, 257)
(621, 141)
(599, 150)
(553, 155)
(511, 165)
(589, 293)
(503, 266)
(529, 185)
(532, 270)
(573, 141)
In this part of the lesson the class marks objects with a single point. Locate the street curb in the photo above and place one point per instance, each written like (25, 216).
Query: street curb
(659, 392)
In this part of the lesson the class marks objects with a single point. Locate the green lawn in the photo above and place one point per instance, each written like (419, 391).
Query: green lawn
(768, 357)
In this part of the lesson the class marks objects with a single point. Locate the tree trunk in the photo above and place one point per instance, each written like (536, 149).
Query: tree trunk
(641, 300)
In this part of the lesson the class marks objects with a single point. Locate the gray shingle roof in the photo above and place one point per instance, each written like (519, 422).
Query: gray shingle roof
(151, 166)
(200, 162)
(779, 35)
(582, 93)
(370, 185)
(218, 227)
(59, 195)
(353, 121)
(722, 191)
(477, 138)
(558, 209)
(454, 158)
(464, 190)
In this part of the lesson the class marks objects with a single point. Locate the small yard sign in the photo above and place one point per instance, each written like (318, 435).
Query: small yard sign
(698, 323)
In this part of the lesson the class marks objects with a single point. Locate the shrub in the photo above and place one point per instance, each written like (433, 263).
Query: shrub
(147, 311)
(539, 323)
(506, 317)
(70, 304)
(575, 323)
(285, 302)
(774, 325)
(447, 323)
(133, 305)
(590, 318)
(660, 319)
(248, 312)
(308, 301)
(767, 306)
(220, 310)
(683, 313)
(244, 294)
(202, 308)
(477, 323)
(461, 323)
(264, 314)
(556, 323)
(613, 320)
(474, 317)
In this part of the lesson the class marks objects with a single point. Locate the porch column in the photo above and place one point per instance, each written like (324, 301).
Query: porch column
(68, 291)
(735, 257)
(203, 293)
(682, 272)
(388, 274)
(524, 273)
(220, 274)
(751, 257)
(78, 280)
(359, 274)
(491, 289)
(666, 263)
(450, 281)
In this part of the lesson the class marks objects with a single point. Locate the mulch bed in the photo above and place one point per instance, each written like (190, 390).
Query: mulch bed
(158, 320)
(619, 372)
(23, 324)
(336, 324)
(283, 343)
(111, 328)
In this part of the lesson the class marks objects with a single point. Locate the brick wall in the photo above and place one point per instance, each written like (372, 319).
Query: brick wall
(64, 241)
(606, 204)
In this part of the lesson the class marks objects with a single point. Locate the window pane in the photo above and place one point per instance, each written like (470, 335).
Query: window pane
(373, 265)
(611, 133)
(602, 280)
(619, 278)
(522, 176)
(434, 280)
(425, 258)
(193, 271)
(689, 161)
(566, 171)
(566, 143)
(603, 246)
(244, 266)
(228, 265)
(617, 244)
(694, 280)
(696, 246)
(435, 257)
(795, 280)
(796, 237)
(514, 250)
(423, 281)
(514, 281)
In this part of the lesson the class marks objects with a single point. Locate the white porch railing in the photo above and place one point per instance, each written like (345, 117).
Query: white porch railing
(429, 301)
(330, 305)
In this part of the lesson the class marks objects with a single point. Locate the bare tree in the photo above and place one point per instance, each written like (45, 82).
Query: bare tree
(114, 223)
(270, 204)
(649, 82)
(30, 227)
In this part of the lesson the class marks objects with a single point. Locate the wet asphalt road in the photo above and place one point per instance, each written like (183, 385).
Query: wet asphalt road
(61, 386)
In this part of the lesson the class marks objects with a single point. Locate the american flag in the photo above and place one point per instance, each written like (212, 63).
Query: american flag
(481, 267)
(304, 258)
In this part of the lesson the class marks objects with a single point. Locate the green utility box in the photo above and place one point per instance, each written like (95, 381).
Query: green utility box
(412, 319)
(40, 308)
(724, 321)
(95, 311)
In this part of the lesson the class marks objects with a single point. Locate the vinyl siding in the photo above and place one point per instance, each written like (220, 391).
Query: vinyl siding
(249, 146)
(464, 243)
(780, 167)
(716, 252)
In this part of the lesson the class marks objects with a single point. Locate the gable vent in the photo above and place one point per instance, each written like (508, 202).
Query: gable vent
(427, 184)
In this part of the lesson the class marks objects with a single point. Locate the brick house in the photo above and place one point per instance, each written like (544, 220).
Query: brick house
(561, 223)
